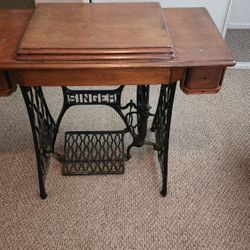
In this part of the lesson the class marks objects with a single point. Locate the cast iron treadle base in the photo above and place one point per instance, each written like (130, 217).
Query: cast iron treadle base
(94, 152)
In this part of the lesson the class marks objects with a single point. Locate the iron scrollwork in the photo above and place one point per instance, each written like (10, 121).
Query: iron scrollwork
(142, 115)
(135, 118)
(134, 115)
(43, 129)
(161, 127)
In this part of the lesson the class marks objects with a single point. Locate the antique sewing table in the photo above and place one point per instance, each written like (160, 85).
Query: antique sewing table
(107, 44)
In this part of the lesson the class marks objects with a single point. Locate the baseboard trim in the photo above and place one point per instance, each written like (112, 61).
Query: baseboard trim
(241, 65)
(238, 26)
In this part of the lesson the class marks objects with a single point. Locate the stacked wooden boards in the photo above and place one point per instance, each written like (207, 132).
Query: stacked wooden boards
(85, 32)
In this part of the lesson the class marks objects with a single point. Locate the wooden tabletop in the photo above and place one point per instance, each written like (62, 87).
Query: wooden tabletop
(195, 45)
(78, 32)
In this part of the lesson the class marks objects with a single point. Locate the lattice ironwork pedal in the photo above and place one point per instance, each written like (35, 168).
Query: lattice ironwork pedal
(94, 152)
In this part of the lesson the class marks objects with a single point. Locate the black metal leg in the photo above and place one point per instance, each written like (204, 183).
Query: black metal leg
(43, 129)
(161, 127)
(142, 117)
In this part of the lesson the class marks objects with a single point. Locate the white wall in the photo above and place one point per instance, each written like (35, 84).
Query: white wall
(240, 14)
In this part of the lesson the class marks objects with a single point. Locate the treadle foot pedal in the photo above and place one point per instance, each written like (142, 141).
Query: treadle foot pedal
(93, 152)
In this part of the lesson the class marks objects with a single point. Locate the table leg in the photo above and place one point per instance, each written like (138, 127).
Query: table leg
(142, 114)
(43, 129)
(161, 127)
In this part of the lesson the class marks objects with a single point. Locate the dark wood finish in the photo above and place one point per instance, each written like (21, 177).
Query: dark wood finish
(87, 31)
(195, 46)
(203, 80)
(12, 27)
(97, 57)
(90, 77)
(177, 74)
(196, 39)
(180, 24)
(6, 87)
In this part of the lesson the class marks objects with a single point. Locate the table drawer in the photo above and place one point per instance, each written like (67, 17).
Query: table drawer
(6, 88)
(203, 80)
(95, 77)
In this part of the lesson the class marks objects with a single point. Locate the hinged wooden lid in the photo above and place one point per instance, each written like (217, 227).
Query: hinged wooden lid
(78, 32)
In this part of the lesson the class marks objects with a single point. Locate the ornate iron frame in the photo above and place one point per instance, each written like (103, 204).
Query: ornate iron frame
(134, 115)
(43, 129)
(161, 127)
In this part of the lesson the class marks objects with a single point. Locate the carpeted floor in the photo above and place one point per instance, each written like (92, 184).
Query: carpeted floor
(208, 205)
(239, 42)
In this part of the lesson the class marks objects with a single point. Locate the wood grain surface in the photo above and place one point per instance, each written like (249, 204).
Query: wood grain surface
(196, 38)
(201, 57)
(87, 31)
(195, 45)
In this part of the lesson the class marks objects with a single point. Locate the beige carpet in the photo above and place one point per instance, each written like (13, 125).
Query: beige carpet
(208, 205)
(239, 42)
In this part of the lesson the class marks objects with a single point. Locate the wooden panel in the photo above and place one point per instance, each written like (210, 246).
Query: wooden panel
(12, 26)
(177, 74)
(203, 80)
(5, 86)
(67, 31)
(196, 39)
(91, 77)
(186, 36)
(97, 57)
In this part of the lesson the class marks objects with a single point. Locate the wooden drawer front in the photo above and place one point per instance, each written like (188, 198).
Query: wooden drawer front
(5, 86)
(89, 77)
(203, 80)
